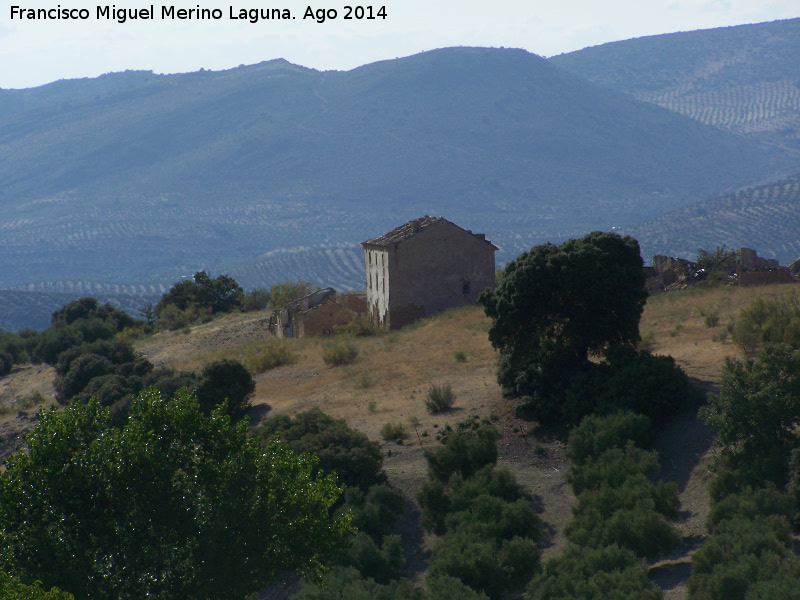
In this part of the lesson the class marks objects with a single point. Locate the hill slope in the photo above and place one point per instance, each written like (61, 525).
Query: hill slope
(139, 179)
(743, 79)
(765, 218)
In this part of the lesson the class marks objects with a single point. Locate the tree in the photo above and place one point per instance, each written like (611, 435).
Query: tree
(226, 381)
(558, 306)
(281, 294)
(174, 504)
(756, 415)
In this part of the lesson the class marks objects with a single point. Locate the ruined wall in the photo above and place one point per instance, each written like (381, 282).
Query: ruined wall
(778, 275)
(321, 319)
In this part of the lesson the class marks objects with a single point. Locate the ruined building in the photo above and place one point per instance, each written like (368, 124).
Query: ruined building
(316, 314)
(425, 266)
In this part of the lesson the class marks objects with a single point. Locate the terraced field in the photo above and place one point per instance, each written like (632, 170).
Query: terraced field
(766, 218)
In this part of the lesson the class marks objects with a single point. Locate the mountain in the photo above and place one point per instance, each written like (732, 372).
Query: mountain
(765, 218)
(138, 179)
(744, 79)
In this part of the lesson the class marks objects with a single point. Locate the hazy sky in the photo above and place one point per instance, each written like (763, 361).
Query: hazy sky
(40, 51)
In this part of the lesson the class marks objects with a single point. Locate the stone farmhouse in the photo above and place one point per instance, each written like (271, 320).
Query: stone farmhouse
(425, 266)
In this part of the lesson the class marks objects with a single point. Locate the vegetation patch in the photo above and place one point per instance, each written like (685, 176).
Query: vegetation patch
(440, 398)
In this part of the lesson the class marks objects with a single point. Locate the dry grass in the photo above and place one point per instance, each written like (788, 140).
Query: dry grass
(389, 381)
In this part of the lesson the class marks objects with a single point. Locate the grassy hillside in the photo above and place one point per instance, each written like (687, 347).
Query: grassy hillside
(742, 79)
(765, 218)
(140, 178)
(389, 381)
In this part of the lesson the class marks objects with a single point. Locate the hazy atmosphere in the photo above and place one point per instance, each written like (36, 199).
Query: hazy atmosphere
(35, 52)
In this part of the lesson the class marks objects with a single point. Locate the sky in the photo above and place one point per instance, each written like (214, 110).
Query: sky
(36, 52)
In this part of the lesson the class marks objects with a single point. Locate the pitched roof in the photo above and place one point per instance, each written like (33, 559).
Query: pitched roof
(407, 230)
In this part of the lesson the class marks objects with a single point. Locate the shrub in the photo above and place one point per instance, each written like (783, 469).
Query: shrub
(595, 434)
(226, 381)
(256, 299)
(465, 450)
(748, 503)
(349, 453)
(376, 511)
(460, 356)
(710, 316)
(340, 353)
(347, 582)
(381, 562)
(440, 398)
(590, 573)
(360, 326)
(437, 501)
(394, 431)
(740, 554)
(486, 565)
(612, 468)
(275, 353)
(640, 529)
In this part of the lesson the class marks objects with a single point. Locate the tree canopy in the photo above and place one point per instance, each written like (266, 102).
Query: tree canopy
(557, 306)
(174, 504)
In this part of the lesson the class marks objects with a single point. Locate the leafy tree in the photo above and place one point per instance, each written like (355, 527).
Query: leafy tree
(256, 299)
(718, 258)
(89, 308)
(174, 504)
(12, 589)
(558, 306)
(222, 294)
(281, 294)
(756, 415)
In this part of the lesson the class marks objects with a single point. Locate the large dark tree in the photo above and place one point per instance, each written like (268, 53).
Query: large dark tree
(173, 505)
(559, 306)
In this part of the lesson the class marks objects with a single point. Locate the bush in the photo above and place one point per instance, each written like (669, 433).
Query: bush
(381, 562)
(361, 326)
(340, 353)
(486, 565)
(437, 501)
(739, 555)
(376, 512)
(465, 450)
(597, 433)
(460, 356)
(394, 431)
(226, 381)
(275, 353)
(640, 529)
(591, 573)
(349, 453)
(257, 299)
(612, 468)
(347, 582)
(748, 503)
(440, 398)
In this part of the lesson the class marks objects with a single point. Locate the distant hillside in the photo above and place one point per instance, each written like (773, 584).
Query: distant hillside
(744, 79)
(137, 178)
(765, 218)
